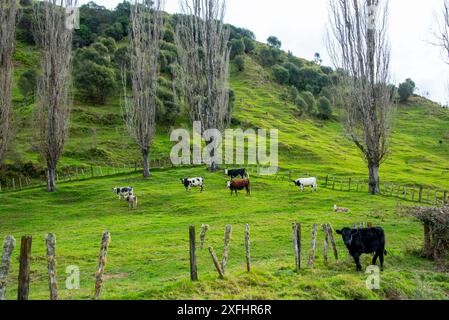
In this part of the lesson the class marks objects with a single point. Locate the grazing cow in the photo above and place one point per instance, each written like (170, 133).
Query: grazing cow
(307, 182)
(239, 184)
(338, 209)
(236, 172)
(123, 192)
(365, 241)
(193, 182)
(132, 201)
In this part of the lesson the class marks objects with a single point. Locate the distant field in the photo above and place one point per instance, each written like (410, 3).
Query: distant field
(149, 257)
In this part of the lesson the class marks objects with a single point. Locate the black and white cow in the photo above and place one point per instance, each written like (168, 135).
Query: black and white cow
(236, 172)
(365, 241)
(123, 192)
(193, 182)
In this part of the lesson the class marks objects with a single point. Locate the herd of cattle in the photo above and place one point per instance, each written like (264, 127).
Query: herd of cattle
(357, 240)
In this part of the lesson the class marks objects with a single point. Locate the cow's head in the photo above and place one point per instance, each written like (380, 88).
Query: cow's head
(183, 180)
(347, 234)
(297, 183)
(115, 189)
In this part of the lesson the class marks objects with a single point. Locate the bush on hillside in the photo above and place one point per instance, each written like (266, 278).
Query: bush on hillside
(249, 45)
(324, 108)
(274, 42)
(269, 56)
(27, 84)
(281, 75)
(312, 79)
(237, 47)
(240, 63)
(406, 90)
(309, 100)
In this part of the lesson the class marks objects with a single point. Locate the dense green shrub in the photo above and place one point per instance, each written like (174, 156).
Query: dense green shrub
(269, 56)
(249, 45)
(274, 42)
(237, 47)
(406, 90)
(281, 74)
(324, 108)
(312, 79)
(27, 84)
(309, 100)
(115, 31)
(240, 63)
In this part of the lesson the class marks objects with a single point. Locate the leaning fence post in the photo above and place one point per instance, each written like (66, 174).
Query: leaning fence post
(247, 249)
(297, 245)
(24, 269)
(193, 266)
(50, 242)
(420, 193)
(8, 247)
(331, 237)
(105, 241)
(227, 238)
(326, 243)
(216, 263)
(312, 247)
(204, 229)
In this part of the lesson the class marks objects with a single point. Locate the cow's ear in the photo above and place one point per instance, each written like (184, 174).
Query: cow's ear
(338, 232)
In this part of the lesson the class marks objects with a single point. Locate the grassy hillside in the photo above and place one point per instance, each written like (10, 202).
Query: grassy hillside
(148, 257)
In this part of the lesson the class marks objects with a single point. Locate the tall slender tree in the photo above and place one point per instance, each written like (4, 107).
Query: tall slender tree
(147, 25)
(359, 48)
(53, 34)
(203, 51)
(8, 10)
(441, 35)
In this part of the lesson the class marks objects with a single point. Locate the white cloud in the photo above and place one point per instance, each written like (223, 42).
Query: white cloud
(301, 25)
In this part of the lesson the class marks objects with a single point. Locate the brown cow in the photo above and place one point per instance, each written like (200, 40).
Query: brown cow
(239, 184)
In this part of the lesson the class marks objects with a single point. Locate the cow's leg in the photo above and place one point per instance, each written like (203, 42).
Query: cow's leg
(357, 262)
(376, 255)
(381, 258)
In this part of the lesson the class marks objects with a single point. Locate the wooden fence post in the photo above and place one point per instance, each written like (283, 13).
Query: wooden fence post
(349, 182)
(341, 184)
(8, 247)
(436, 197)
(327, 178)
(312, 247)
(297, 245)
(333, 183)
(50, 242)
(216, 263)
(357, 185)
(399, 190)
(13, 184)
(204, 229)
(193, 266)
(247, 249)
(413, 194)
(105, 241)
(445, 200)
(326, 243)
(227, 238)
(420, 193)
(24, 269)
(331, 237)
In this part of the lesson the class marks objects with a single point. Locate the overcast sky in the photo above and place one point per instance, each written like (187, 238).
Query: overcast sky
(301, 26)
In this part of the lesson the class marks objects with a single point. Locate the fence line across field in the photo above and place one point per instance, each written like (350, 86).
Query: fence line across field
(414, 193)
(25, 260)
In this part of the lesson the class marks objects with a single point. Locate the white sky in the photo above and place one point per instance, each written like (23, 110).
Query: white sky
(301, 26)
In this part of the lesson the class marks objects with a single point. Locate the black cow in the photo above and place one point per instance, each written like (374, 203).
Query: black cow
(365, 241)
(236, 172)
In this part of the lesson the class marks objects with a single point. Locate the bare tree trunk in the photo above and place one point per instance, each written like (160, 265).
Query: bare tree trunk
(374, 180)
(8, 9)
(51, 178)
(146, 163)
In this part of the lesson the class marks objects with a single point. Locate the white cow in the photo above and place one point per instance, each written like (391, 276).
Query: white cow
(307, 182)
